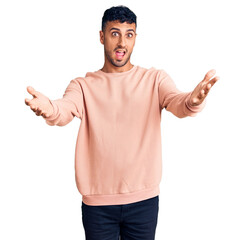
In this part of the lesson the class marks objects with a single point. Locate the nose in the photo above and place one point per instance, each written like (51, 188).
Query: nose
(122, 42)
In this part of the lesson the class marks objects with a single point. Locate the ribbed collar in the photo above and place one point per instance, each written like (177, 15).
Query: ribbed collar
(117, 73)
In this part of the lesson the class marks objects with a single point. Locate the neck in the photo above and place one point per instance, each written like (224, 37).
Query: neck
(110, 68)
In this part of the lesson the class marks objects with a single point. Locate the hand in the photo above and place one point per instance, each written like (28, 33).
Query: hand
(40, 104)
(202, 89)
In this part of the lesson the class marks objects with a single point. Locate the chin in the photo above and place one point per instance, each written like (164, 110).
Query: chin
(121, 63)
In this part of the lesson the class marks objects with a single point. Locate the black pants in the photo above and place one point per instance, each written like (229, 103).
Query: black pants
(134, 221)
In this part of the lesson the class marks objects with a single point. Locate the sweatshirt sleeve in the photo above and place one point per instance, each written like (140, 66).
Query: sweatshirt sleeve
(67, 107)
(174, 100)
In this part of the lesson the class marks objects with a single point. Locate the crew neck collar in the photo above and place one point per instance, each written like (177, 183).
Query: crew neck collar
(117, 73)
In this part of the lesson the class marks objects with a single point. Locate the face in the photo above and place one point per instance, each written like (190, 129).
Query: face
(118, 40)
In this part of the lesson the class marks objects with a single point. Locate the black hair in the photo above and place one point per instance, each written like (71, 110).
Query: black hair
(120, 13)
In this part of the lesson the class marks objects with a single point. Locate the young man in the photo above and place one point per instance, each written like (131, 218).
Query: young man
(118, 151)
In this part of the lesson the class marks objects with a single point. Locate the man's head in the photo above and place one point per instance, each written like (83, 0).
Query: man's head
(118, 34)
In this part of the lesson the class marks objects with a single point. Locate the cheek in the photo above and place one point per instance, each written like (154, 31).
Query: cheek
(131, 46)
(108, 48)
(109, 44)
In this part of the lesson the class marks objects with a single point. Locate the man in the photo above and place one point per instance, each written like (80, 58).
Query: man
(118, 151)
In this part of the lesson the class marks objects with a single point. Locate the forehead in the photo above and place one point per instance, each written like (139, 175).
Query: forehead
(122, 26)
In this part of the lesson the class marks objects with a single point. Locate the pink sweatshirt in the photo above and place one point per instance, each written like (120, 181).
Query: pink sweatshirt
(118, 150)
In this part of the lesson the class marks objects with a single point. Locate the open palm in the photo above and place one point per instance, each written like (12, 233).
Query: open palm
(40, 104)
(202, 89)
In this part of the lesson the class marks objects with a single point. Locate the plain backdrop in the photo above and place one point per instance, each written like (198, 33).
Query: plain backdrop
(45, 44)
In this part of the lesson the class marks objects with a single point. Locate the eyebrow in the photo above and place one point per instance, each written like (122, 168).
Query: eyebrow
(119, 29)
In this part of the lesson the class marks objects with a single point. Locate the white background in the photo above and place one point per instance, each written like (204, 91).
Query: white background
(45, 44)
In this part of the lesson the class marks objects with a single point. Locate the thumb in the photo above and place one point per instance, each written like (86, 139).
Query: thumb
(32, 91)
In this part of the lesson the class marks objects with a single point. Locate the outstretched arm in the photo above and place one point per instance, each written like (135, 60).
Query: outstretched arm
(183, 104)
(60, 111)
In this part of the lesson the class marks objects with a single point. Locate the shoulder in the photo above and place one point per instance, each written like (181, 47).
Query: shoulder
(158, 73)
(152, 70)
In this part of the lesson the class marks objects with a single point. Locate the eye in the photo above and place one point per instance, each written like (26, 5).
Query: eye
(114, 33)
(130, 35)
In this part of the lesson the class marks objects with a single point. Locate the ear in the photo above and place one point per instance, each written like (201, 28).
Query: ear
(101, 37)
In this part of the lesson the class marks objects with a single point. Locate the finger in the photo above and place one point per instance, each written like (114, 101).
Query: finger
(202, 93)
(27, 101)
(210, 84)
(32, 91)
(43, 115)
(207, 88)
(33, 108)
(199, 96)
(30, 102)
(195, 100)
(214, 80)
(38, 112)
(209, 75)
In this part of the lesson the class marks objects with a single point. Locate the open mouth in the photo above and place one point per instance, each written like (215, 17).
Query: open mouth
(119, 54)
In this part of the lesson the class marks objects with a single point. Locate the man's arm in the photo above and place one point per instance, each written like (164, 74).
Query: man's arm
(60, 111)
(183, 104)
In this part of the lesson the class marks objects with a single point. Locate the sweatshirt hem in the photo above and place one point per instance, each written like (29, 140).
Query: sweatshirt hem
(123, 198)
